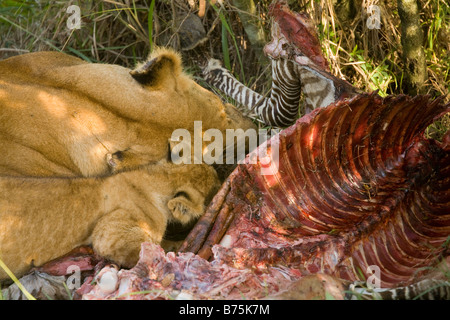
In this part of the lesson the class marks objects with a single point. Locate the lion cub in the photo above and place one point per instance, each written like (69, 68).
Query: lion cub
(44, 218)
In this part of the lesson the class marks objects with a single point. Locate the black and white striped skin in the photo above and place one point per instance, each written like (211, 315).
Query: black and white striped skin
(298, 65)
(289, 79)
(321, 88)
(280, 108)
(428, 289)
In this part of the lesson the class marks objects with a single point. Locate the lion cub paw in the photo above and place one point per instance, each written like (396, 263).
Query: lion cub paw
(118, 235)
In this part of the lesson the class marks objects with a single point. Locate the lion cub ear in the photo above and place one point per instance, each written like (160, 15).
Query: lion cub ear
(162, 64)
(186, 206)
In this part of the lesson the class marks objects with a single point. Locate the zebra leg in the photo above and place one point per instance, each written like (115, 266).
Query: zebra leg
(297, 65)
(279, 109)
(428, 289)
(223, 80)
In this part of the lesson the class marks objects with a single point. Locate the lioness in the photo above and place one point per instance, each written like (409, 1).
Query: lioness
(61, 116)
(44, 218)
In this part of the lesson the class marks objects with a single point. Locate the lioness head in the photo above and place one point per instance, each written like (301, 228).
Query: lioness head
(64, 115)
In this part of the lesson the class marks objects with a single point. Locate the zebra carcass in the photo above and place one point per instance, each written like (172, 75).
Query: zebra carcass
(355, 185)
(357, 194)
(298, 65)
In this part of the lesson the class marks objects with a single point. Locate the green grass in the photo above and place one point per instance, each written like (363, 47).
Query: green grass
(16, 281)
(226, 30)
(124, 32)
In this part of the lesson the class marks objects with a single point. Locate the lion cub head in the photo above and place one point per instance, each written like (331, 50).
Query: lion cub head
(193, 188)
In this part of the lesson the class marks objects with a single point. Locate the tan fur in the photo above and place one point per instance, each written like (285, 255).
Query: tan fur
(44, 218)
(61, 116)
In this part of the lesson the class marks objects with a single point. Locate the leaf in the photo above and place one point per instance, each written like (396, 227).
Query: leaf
(150, 24)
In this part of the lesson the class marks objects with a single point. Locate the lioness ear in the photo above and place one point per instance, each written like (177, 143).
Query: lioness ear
(160, 65)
